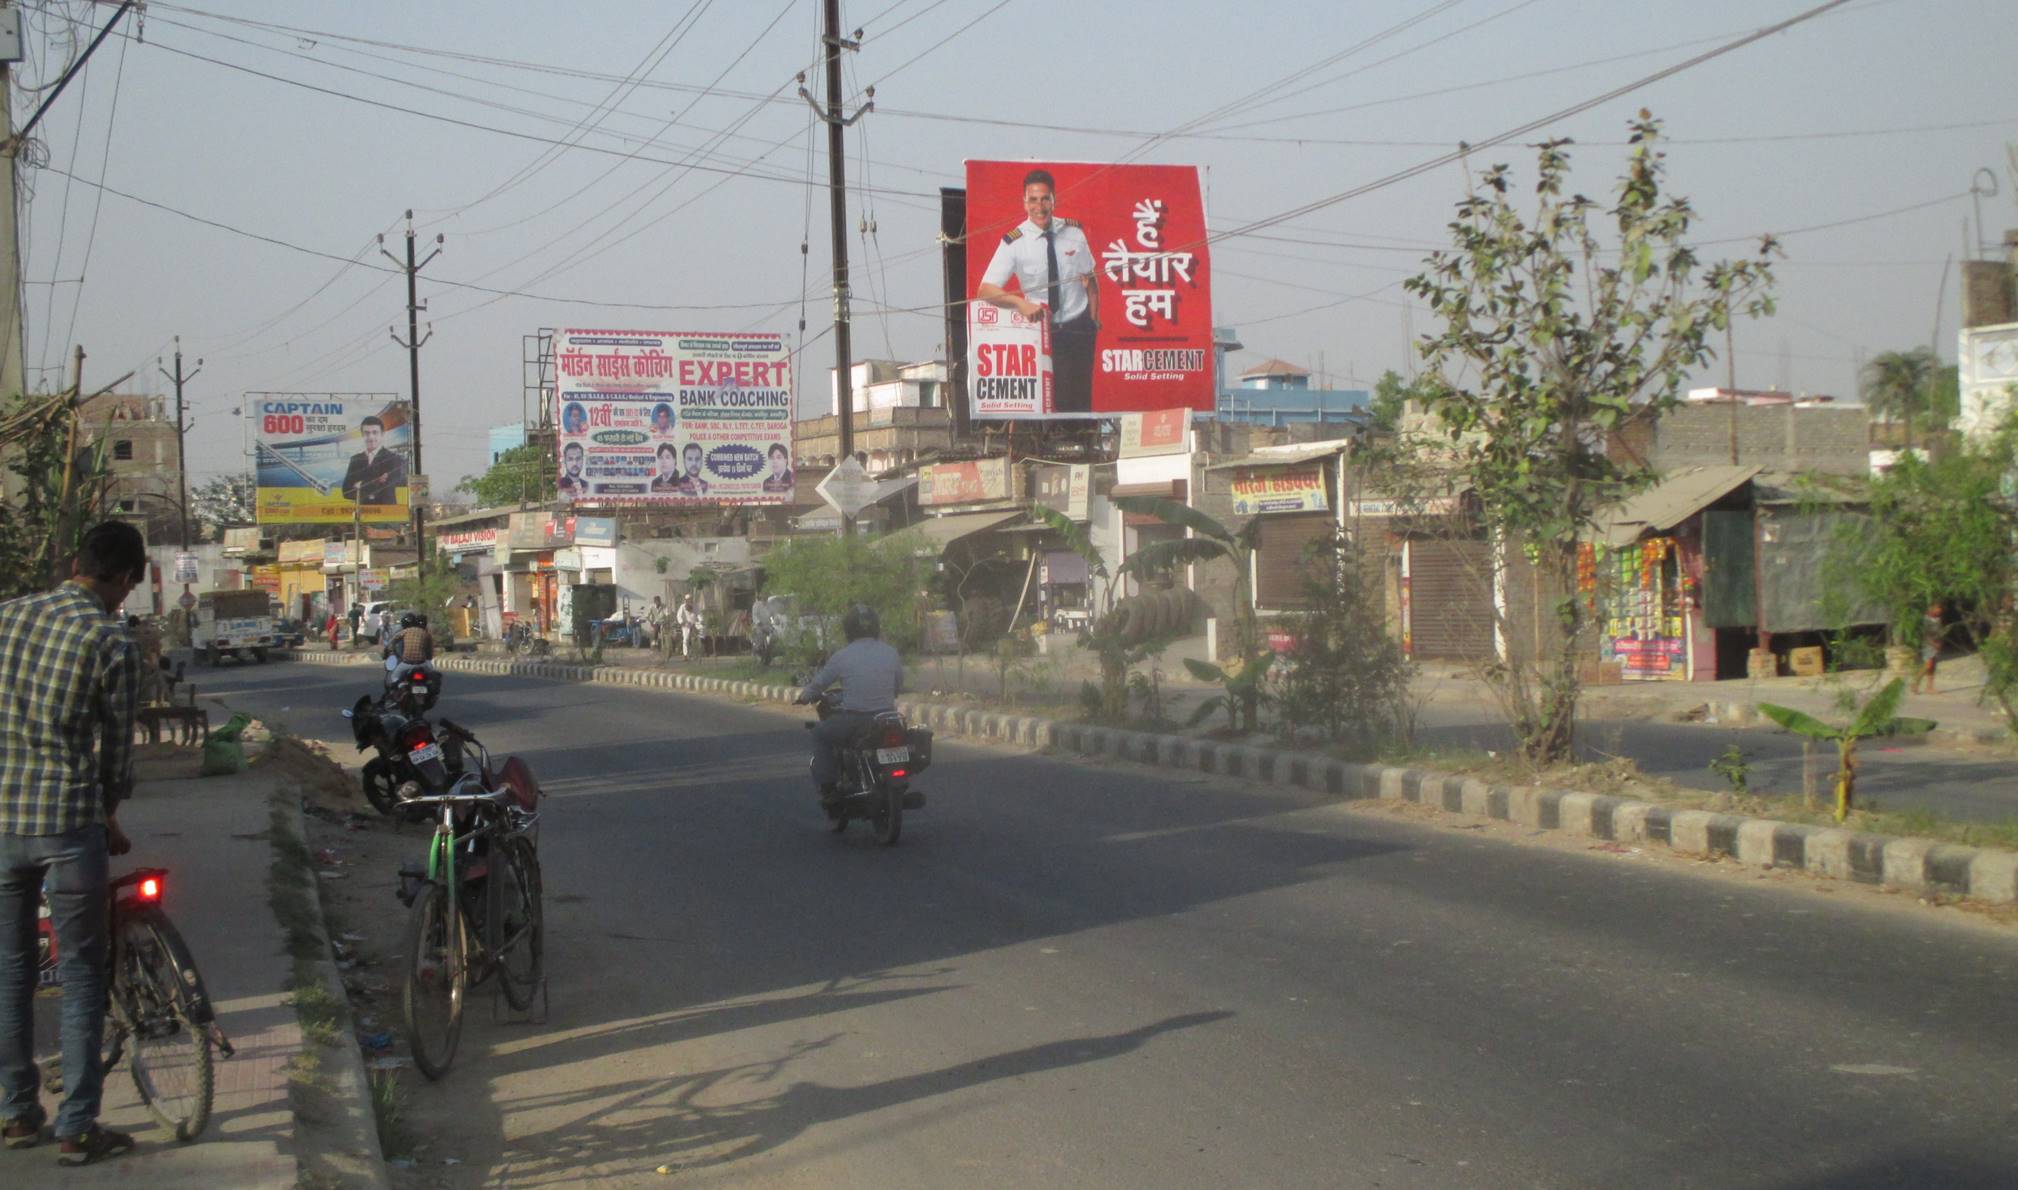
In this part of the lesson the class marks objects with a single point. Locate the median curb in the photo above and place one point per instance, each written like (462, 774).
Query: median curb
(1923, 865)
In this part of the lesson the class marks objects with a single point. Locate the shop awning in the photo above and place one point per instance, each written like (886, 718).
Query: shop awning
(1679, 496)
(1284, 456)
(942, 531)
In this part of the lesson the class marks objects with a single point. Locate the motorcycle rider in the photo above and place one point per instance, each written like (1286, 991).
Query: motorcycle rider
(870, 674)
(411, 648)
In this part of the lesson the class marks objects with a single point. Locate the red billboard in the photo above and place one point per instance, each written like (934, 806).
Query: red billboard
(1088, 290)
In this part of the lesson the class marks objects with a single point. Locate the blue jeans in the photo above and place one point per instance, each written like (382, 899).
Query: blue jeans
(829, 735)
(75, 865)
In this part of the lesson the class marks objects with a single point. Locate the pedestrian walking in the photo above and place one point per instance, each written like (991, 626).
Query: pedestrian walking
(1930, 649)
(329, 629)
(66, 748)
(655, 621)
(356, 618)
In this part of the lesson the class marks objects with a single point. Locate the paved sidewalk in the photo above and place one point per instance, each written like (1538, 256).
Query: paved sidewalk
(211, 835)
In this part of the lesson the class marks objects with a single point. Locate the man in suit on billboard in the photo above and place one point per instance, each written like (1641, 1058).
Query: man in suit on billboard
(375, 474)
(1053, 267)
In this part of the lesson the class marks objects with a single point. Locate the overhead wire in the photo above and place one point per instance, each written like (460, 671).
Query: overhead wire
(97, 201)
(63, 221)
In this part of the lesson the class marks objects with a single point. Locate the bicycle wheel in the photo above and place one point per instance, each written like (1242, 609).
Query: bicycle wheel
(437, 975)
(516, 924)
(171, 1061)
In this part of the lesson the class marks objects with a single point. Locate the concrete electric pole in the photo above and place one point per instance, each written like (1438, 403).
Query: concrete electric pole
(837, 201)
(180, 378)
(413, 342)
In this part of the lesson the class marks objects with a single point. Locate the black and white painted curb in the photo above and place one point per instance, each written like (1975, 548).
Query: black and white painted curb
(1923, 865)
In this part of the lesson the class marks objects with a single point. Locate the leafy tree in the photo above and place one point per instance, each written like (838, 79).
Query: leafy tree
(1240, 676)
(826, 574)
(1900, 385)
(1391, 395)
(1878, 717)
(428, 590)
(523, 474)
(221, 503)
(1552, 335)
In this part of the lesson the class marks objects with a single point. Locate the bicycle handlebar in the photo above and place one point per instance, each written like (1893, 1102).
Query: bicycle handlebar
(489, 795)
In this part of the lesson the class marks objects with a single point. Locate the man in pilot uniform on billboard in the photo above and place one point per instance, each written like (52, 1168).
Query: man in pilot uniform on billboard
(1053, 267)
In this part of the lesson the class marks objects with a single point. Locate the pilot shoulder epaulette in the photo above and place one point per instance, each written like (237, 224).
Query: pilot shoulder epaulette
(1066, 222)
(1015, 233)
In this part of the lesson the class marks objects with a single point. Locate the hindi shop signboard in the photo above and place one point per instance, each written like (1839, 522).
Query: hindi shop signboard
(1122, 258)
(326, 458)
(466, 541)
(674, 418)
(973, 482)
(1278, 489)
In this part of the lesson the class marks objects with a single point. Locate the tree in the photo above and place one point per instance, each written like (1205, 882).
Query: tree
(827, 574)
(1898, 385)
(1241, 675)
(220, 503)
(1551, 337)
(521, 475)
(1879, 717)
(1391, 395)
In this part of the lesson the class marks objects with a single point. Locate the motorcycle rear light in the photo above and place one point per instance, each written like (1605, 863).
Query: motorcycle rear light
(150, 889)
(900, 772)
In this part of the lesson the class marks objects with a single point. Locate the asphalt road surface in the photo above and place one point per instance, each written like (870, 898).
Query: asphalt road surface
(1070, 974)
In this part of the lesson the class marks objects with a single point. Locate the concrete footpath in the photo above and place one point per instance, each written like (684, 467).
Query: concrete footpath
(211, 833)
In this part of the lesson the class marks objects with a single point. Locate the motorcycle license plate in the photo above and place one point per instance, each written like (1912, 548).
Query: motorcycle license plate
(426, 752)
(893, 755)
(420, 687)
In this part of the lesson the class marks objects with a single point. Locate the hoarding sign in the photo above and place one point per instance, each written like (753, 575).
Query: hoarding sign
(670, 418)
(965, 483)
(330, 458)
(1063, 487)
(1104, 307)
(185, 568)
(267, 578)
(847, 489)
(372, 581)
(595, 530)
(1161, 432)
(466, 541)
(1278, 489)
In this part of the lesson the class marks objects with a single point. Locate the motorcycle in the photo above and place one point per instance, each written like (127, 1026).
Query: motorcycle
(410, 755)
(876, 770)
(414, 688)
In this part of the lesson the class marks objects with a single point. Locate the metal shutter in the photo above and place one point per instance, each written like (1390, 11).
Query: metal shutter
(1450, 599)
(1279, 556)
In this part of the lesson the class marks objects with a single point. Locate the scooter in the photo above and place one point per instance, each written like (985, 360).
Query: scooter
(876, 771)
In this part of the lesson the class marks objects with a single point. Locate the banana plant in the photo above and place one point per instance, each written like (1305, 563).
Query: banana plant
(1878, 717)
(1241, 677)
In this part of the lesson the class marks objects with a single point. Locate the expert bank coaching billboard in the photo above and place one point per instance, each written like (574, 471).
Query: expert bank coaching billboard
(324, 458)
(1088, 290)
(666, 417)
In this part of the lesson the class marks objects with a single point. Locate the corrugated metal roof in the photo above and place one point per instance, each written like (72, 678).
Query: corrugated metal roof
(1283, 456)
(1679, 496)
(942, 531)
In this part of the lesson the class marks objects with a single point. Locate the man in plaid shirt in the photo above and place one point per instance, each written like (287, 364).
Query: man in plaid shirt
(69, 677)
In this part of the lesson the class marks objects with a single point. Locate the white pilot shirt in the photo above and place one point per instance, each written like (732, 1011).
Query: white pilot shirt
(1022, 252)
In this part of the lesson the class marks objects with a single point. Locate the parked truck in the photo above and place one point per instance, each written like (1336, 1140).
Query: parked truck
(233, 624)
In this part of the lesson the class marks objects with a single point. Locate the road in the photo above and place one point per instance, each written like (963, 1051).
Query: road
(1072, 974)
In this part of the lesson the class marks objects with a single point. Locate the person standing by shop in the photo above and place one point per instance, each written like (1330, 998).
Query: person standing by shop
(688, 620)
(71, 674)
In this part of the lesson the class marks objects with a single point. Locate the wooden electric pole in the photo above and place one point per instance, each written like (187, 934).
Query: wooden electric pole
(180, 378)
(413, 342)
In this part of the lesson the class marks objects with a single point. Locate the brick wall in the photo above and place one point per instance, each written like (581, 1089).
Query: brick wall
(1832, 439)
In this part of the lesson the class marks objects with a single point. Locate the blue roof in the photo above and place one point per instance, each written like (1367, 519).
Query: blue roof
(1285, 406)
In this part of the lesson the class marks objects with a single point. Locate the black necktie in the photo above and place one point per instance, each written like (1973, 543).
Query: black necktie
(1051, 264)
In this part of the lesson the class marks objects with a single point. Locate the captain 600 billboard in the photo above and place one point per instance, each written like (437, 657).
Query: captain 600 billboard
(1088, 290)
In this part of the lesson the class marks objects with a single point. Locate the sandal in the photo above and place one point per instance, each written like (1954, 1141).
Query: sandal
(25, 1131)
(95, 1145)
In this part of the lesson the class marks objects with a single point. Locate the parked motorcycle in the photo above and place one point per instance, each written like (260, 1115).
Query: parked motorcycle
(876, 771)
(409, 752)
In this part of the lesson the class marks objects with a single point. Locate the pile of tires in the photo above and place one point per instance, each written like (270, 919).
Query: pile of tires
(1151, 615)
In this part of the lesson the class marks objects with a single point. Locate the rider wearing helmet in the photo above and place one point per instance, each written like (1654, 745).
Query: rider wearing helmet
(411, 648)
(870, 674)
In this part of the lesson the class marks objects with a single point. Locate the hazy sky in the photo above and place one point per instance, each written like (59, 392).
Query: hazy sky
(1877, 106)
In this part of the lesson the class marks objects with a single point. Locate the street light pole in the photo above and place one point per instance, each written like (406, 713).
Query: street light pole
(181, 433)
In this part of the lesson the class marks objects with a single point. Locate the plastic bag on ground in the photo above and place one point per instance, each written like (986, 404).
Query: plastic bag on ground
(224, 752)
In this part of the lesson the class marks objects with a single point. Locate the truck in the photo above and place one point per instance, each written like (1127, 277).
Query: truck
(233, 624)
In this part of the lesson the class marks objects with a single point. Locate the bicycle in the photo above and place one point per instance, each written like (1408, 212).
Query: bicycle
(156, 1000)
(475, 909)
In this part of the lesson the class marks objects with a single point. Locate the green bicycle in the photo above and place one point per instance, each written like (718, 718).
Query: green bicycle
(474, 909)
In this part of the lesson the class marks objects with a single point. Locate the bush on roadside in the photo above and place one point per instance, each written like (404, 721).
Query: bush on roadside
(1344, 678)
(827, 574)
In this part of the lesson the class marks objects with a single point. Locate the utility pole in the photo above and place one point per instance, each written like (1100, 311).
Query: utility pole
(181, 430)
(413, 342)
(837, 201)
(1731, 380)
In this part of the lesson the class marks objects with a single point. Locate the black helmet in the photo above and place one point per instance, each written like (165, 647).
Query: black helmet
(413, 620)
(861, 621)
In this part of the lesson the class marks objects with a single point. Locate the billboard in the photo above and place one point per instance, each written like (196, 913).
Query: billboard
(668, 418)
(1062, 487)
(1088, 290)
(1278, 489)
(971, 482)
(1163, 432)
(325, 458)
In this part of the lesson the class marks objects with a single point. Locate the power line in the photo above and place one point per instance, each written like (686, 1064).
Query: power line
(97, 200)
